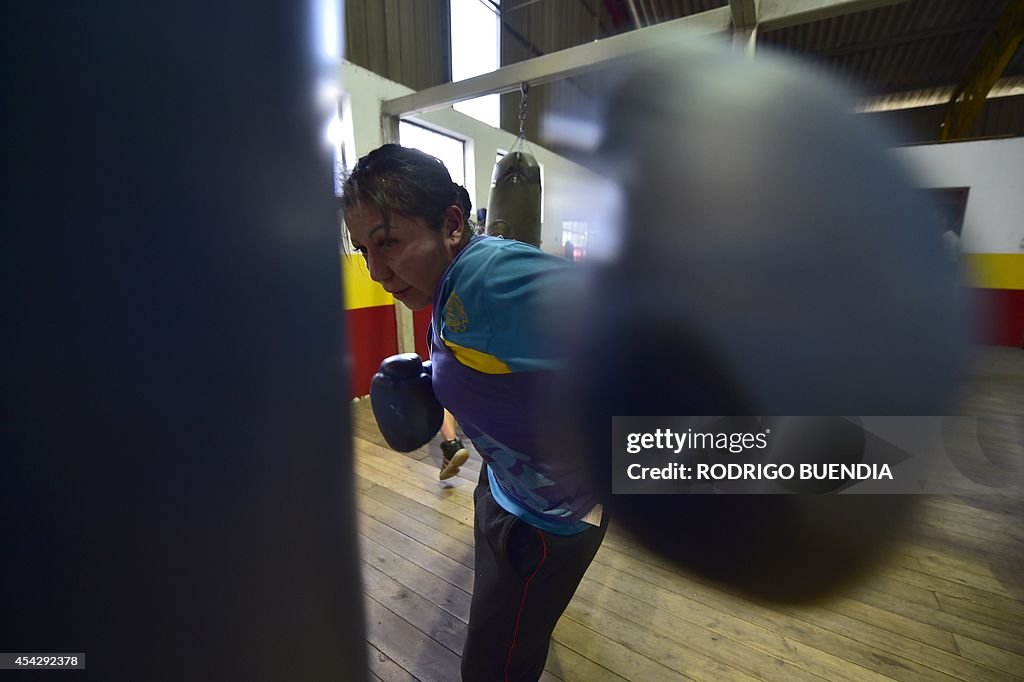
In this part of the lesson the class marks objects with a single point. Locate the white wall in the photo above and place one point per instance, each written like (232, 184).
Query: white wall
(994, 171)
(571, 193)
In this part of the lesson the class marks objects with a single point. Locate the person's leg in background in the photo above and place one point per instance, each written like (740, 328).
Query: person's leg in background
(453, 453)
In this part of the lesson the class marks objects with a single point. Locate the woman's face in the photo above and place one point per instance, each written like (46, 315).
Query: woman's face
(407, 256)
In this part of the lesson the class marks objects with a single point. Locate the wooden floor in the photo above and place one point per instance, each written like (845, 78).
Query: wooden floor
(948, 605)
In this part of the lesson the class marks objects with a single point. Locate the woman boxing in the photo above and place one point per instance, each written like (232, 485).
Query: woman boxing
(537, 524)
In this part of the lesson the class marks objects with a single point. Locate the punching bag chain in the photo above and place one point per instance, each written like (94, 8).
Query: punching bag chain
(524, 89)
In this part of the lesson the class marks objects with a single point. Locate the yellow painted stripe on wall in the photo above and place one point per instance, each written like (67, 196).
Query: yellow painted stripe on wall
(993, 270)
(982, 270)
(360, 290)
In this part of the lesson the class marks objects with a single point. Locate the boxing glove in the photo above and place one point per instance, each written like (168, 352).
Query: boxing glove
(819, 290)
(403, 401)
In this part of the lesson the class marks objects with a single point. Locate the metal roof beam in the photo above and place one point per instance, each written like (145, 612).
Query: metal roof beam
(770, 15)
(744, 26)
(562, 64)
(985, 69)
(776, 14)
(744, 13)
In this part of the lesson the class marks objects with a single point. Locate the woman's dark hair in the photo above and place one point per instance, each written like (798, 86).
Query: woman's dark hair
(398, 179)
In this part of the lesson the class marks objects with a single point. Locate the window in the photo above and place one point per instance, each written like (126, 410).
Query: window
(574, 239)
(476, 49)
(950, 204)
(451, 150)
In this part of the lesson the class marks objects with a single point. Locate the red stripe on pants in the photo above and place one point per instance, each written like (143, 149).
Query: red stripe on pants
(522, 602)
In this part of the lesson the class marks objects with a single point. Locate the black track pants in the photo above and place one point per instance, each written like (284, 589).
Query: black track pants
(524, 579)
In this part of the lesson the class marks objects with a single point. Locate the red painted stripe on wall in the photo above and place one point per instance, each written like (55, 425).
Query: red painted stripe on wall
(372, 336)
(1001, 313)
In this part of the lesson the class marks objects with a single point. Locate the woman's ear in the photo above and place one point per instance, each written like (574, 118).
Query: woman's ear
(453, 225)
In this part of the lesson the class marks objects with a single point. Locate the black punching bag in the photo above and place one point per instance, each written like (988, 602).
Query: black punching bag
(513, 210)
(177, 479)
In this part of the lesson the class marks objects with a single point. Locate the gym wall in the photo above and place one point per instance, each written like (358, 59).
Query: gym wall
(992, 239)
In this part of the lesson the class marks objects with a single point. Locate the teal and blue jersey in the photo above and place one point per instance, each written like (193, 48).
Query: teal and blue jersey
(494, 365)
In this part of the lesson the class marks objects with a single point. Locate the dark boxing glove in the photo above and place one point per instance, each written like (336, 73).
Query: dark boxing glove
(780, 302)
(403, 401)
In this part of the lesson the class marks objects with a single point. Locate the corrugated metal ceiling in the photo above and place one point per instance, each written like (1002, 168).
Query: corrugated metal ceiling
(908, 46)
(904, 46)
(916, 45)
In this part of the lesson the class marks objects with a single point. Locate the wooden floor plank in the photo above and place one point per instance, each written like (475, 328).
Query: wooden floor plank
(384, 668)
(893, 649)
(797, 636)
(702, 650)
(651, 644)
(440, 592)
(439, 522)
(871, 610)
(918, 658)
(959, 509)
(433, 606)
(957, 625)
(886, 634)
(947, 605)
(953, 570)
(746, 624)
(1007, 506)
(406, 472)
(417, 493)
(440, 565)
(607, 653)
(980, 613)
(421, 656)
(941, 586)
(421, 532)
(572, 667)
(418, 611)
(989, 535)
(896, 589)
(970, 623)
(991, 656)
(906, 561)
(962, 552)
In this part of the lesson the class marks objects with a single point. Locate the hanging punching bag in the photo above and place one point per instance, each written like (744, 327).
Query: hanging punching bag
(513, 211)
